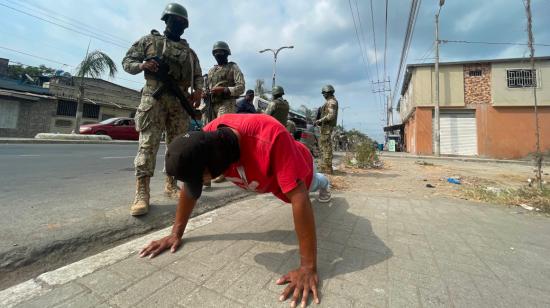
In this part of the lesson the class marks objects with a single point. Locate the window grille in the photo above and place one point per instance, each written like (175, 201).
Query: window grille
(475, 73)
(66, 108)
(521, 78)
(90, 111)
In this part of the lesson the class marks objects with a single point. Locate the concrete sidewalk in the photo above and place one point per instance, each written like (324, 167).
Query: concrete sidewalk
(373, 251)
(529, 162)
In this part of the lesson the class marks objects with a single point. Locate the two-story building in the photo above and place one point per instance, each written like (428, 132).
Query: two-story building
(486, 107)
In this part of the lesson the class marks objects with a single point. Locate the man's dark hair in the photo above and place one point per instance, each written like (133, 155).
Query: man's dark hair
(249, 92)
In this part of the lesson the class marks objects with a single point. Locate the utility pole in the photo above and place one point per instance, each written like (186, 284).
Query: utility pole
(437, 151)
(538, 155)
(275, 53)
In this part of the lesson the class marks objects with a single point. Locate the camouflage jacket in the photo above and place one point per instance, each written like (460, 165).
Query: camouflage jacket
(278, 108)
(182, 60)
(329, 112)
(228, 75)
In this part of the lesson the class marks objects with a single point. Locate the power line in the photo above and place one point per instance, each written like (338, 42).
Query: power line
(34, 56)
(373, 38)
(415, 4)
(53, 61)
(365, 62)
(67, 19)
(490, 43)
(64, 27)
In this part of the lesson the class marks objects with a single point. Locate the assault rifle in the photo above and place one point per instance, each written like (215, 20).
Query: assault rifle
(168, 84)
(208, 99)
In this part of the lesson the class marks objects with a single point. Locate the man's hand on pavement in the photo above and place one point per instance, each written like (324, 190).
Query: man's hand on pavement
(300, 282)
(154, 248)
(149, 65)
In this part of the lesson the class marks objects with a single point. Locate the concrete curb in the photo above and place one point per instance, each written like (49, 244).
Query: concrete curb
(464, 159)
(51, 136)
(43, 283)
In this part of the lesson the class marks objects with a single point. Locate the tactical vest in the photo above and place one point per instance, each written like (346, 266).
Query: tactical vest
(179, 57)
(221, 76)
(331, 123)
(280, 110)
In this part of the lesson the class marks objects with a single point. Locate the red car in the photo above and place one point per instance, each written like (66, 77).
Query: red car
(116, 128)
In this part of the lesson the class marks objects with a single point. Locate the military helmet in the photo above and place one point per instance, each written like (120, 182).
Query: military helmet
(221, 45)
(175, 9)
(327, 89)
(277, 90)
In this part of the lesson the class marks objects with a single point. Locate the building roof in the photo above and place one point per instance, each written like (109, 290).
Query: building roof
(17, 85)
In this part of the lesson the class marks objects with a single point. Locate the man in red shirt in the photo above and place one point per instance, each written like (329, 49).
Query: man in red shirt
(257, 153)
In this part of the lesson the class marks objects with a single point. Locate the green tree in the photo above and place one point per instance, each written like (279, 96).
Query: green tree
(16, 71)
(94, 65)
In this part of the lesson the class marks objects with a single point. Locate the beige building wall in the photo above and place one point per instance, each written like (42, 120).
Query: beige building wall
(451, 86)
(504, 96)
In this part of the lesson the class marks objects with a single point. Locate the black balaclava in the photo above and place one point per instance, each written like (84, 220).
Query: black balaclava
(328, 95)
(222, 150)
(221, 57)
(174, 28)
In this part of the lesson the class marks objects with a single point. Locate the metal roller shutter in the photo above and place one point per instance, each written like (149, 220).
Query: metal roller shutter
(458, 133)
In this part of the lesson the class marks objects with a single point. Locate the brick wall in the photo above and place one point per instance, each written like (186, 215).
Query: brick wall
(477, 89)
(34, 117)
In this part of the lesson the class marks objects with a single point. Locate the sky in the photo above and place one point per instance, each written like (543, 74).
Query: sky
(323, 33)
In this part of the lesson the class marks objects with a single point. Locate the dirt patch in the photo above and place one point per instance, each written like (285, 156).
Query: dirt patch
(430, 178)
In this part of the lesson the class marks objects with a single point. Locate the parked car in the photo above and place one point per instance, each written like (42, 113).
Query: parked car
(116, 128)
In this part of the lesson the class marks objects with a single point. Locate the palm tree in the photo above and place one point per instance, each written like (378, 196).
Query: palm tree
(94, 65)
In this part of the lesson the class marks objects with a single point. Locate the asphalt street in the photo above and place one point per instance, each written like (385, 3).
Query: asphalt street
(59, 202)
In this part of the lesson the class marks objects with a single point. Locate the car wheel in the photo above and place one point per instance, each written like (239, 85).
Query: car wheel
(100, 133)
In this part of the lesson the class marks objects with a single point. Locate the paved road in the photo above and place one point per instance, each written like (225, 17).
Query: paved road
(58, 202)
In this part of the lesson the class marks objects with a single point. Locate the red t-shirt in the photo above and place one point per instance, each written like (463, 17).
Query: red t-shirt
(271, 160)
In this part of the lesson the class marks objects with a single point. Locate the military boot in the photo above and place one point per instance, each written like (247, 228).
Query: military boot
(141, 201)
(171, 188)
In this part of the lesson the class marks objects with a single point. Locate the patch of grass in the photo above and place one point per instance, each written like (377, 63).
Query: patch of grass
(530, 196)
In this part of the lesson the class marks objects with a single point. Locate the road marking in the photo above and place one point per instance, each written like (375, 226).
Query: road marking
(29, 155)
(117, 157)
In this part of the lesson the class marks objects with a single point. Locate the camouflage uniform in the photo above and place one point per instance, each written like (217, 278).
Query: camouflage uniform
(230, 76)
(165, 114)
(329, 113)
(279, 108)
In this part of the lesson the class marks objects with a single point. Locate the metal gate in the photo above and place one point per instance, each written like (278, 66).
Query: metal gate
(458, 132)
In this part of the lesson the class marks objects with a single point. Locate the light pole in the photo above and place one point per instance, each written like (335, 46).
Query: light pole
(342, 109)
(275, 53)
(436, 108)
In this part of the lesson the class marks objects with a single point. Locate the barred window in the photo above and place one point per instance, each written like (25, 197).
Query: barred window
(521, 78)
(90, 111)
(474, 73)
(66, 108)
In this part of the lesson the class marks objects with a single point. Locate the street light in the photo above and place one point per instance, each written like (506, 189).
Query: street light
(342, 110)
(275, 52)
(437, 136)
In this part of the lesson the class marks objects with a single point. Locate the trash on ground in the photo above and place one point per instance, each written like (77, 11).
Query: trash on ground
(453, 181)
(423, 163)
(430, 185)
(527, 207)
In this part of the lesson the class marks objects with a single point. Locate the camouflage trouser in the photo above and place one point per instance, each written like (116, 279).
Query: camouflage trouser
(326, 149)
(153, 117)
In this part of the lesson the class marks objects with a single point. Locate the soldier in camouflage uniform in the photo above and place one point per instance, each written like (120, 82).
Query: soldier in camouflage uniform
(327, 121)
(226, 83)
(153, 116)
(278, 107)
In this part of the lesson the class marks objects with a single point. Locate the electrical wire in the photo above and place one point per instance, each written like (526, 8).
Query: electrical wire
(365, 61)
